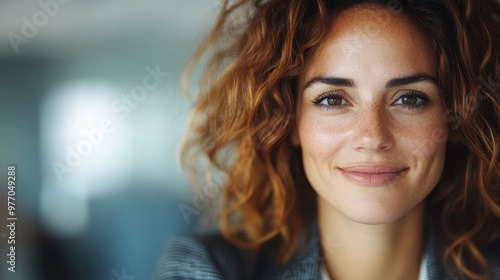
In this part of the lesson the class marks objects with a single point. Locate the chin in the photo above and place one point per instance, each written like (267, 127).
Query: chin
(374, 218)
(371, 213)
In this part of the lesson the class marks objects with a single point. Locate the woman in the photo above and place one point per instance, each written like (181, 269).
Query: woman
(356, 140)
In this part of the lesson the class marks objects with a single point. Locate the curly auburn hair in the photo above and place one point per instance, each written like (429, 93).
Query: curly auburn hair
(244, 116)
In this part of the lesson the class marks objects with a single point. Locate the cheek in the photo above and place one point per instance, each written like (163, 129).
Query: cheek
(321, 137)
(426, 139)
(424, 147)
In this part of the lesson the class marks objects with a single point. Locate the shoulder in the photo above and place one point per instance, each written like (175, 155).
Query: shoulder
(185, 256)
(436, 269)
(492, 254)
(213, 257)
(207, 256)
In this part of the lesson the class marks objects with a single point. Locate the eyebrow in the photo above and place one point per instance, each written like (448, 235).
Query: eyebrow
(329, 80)
(411, 79)
(399, 81)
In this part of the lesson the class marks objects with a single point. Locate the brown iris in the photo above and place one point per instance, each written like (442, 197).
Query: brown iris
(334, 101)
(409, 100)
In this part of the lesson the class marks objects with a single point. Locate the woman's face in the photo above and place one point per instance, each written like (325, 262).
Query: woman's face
(370, 117)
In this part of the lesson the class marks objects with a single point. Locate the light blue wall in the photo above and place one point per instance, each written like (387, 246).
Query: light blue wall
(120, 204)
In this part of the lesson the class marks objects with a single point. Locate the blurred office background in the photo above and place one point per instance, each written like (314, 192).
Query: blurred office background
(92, 116)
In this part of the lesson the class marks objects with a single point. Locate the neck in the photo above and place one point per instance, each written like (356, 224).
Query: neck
(361, 251)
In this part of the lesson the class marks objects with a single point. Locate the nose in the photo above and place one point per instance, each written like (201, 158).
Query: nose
(372, 131)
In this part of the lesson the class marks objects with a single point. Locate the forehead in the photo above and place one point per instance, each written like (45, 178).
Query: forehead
(372, 41)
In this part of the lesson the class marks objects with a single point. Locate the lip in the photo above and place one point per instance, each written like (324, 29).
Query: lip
(373, 175)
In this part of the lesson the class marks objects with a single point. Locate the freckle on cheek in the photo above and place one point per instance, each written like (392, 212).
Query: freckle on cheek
(426, 147)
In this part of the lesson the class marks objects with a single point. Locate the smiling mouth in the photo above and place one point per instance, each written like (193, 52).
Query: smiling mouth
(373, 175)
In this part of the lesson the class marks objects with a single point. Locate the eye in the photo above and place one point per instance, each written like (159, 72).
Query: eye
(331, 100)
(412, 100)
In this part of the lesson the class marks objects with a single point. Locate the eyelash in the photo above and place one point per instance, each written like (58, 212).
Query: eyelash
(425, 100)
(317, 101)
